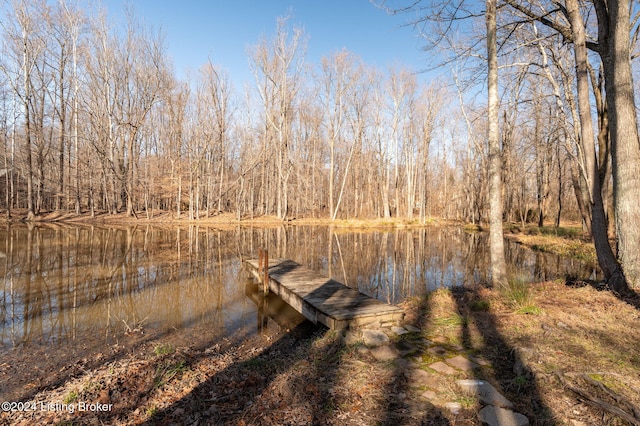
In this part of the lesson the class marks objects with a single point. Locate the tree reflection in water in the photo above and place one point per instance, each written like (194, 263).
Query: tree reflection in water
(63, 283)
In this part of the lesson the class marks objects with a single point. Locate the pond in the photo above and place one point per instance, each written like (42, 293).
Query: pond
(71, 294)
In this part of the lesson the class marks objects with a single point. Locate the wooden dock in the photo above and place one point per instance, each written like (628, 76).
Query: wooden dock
(321, 299)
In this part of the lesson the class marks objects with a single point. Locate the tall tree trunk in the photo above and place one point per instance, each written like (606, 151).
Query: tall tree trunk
(496, 240)
(606, 259)
(76, 89)
(27, 134)
(614, 49)
(61, 139)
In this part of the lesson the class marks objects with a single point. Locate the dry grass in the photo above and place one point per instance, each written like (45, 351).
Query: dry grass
(577, 344)
(578, 347)
(564, 241)
(223, 220)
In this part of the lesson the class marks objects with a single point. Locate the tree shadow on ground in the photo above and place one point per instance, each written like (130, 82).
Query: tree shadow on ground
(277, 386)
(508, 371)
(225, 397)
(631, 297)
(403, 405)
(310, 375)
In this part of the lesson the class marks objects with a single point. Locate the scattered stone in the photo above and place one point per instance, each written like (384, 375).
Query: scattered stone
(485, 391)
(403, 364)
(417, 406)
(412, 329)
(384, 353)
(454, 407)
(438, 350)
(496, 416)
(523, 358)
(443, 368)
(429, 394)
(562, 325)
(406, 348)
(373, 338)
(478, 360)
(462, 363)
(351, 338)
(402, 396)
(417, 377)
(362, 351)
(426, 342)
(414, 362)
(399, 330)
(440, 339)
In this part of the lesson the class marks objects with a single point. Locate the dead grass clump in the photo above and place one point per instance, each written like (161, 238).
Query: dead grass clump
(564, 245)
(582, 335)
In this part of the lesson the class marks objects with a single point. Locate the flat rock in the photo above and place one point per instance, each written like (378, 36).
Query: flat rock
(438, 350)
(417, 377)
(373, 338)
(403, 364)
(496, 416)
(462, 363)
(406, 348)
(351, 338)
(454, 407)
(440, 339)
(384, 353)
(478, 360)
(524, 357)
(412, 329)
(399, 330)
(443, 368)
(485, 391)
(363, 351)
(429, 394)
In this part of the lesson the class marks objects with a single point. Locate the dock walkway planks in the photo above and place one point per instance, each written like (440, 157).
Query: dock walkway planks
(322, 299)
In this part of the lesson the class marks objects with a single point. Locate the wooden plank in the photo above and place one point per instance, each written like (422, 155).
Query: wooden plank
(319, 298)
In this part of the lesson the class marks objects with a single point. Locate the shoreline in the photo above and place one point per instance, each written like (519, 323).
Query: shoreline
(221, 219)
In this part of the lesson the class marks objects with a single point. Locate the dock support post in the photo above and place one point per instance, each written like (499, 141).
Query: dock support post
(263, 269)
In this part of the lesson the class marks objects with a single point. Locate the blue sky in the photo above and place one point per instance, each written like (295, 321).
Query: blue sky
(223, 29)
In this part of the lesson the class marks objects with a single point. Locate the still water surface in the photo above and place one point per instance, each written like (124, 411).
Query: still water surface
(64, 285)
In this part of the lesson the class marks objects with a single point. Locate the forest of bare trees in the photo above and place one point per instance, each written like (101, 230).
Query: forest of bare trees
(93, 118)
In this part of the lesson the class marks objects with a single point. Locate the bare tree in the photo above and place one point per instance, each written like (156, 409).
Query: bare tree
(496, 240)
(217, 94)
(613, 46)
(606, 259)
(74, 20)
(337, 78)
(278, 65)
(26, 46)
